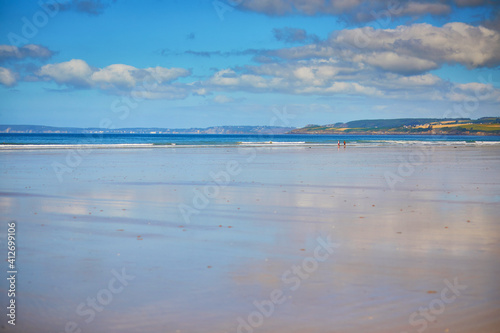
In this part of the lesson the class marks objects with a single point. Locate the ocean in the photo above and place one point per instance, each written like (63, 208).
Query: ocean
(61, 141)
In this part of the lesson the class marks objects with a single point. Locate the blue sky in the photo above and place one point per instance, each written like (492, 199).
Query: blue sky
(123, 63)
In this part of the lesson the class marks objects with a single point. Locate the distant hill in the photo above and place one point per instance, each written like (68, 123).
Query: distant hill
(444, 126)
(35, 129)
(451, 126)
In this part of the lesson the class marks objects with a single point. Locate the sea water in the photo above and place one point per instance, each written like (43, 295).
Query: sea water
(61, 141)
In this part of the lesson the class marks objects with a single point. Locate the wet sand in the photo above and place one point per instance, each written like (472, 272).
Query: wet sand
(260, 236)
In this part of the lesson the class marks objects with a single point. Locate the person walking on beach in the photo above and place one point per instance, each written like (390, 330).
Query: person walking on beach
(338, 143)
(344, 143)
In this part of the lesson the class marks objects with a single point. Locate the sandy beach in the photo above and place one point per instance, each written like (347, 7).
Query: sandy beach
(225, 239)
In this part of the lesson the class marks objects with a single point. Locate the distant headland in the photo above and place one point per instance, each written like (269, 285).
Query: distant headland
(403, 126)
(409, 126)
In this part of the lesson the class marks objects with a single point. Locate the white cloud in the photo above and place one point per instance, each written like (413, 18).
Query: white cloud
(7, 77)
(393, 62)
(149, 83)
(115, 75)
(231, 80)
(76, 73)
(314, 71)
(426, 80)
(162, 74)
(453, 43)
(407, 49)
(302, 77)
(125, 76)
(475, 86)
(322, 77)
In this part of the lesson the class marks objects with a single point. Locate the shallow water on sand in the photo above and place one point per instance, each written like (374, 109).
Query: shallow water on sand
(207, 238)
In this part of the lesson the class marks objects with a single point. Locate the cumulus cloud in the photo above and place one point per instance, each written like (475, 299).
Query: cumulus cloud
(393, 62)
(316, 72)
(333, 77)
(118, 75)
(230, 80)
(453, 43)
(412, 82)
(7, 77)
(302, 77)
(76, 73)
(375, 63)
(10, 52)
(153, 82)
(362, 11)
(407, 49)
